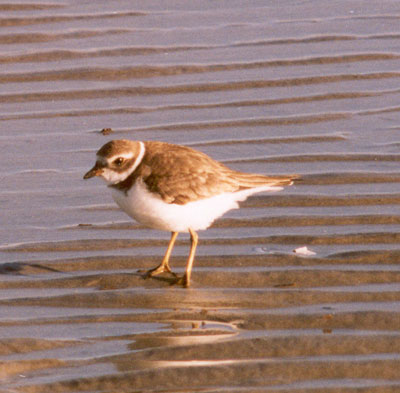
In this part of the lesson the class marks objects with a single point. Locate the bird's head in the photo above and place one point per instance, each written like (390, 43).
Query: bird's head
(116, 160)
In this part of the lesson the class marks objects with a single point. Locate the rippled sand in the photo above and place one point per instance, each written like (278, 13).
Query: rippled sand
(267, 87)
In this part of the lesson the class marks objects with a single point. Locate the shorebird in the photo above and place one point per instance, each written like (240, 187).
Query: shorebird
(175, 188)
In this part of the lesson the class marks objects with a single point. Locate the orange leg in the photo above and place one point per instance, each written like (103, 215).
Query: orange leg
(185, 280)
(164, 266)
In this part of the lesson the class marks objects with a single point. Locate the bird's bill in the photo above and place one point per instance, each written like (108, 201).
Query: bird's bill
(95, 171)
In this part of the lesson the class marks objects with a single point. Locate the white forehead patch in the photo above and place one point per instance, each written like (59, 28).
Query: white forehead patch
(127, 156)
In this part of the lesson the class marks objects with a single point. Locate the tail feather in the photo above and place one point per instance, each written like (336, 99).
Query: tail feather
(249, 180)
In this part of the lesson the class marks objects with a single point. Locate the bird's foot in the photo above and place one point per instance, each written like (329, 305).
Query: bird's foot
(184, 281)
(162, 268)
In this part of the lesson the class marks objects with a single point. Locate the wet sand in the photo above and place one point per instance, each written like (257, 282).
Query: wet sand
(295, 87)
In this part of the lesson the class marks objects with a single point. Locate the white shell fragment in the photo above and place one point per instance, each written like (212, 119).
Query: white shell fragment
(304, 251)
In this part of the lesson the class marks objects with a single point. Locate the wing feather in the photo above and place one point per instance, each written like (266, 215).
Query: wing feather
(180, 174)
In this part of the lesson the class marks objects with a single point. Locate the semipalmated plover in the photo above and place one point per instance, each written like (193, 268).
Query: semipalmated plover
(175, 188)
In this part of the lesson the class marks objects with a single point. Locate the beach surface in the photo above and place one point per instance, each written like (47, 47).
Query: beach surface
(297, 291)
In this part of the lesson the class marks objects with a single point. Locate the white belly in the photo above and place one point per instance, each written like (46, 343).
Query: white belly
(150, 210)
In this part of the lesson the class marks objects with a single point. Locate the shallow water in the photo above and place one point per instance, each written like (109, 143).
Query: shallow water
(279, 88)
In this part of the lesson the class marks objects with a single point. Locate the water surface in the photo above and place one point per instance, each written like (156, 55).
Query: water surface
(268, 87)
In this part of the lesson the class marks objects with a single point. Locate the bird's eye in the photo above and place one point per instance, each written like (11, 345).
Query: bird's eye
(118, 161)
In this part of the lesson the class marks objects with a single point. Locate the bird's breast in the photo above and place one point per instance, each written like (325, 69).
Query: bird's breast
(149, 209)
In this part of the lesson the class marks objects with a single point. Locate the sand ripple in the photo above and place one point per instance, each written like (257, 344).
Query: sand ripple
(294, 87)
